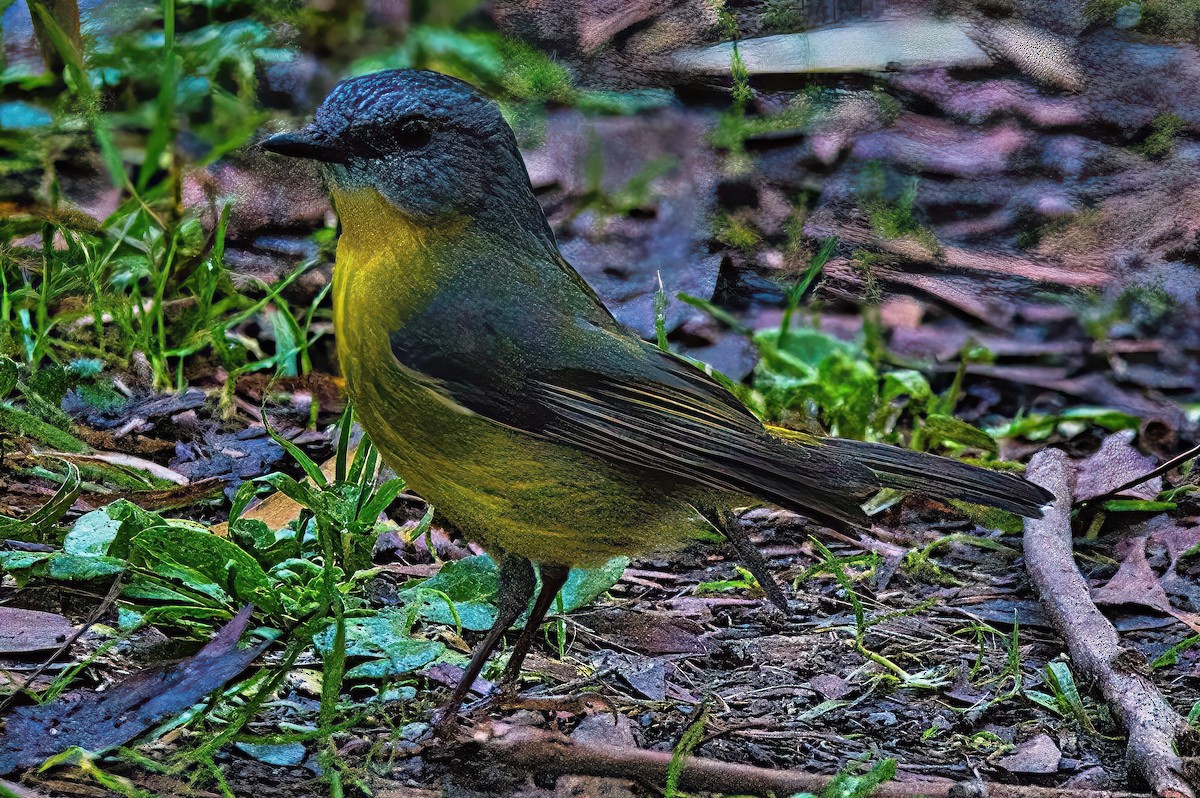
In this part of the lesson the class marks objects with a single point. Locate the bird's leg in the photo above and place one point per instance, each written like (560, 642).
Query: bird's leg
(517, 582)
(728, 525)
(553, 578)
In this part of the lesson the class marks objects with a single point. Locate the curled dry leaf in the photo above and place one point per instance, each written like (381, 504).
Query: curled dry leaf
(1115, 464)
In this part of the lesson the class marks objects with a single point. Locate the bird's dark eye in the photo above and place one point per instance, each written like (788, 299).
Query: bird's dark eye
(412, 134)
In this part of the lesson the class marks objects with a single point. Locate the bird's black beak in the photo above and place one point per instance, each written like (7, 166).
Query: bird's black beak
(303, 143)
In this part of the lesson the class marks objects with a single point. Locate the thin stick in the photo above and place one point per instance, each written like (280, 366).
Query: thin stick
(552, 754)
(1121, 673)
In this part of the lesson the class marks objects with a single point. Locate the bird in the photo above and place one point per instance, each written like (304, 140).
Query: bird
(492, 378)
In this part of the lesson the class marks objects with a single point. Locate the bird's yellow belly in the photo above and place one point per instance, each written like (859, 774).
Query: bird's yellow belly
(510, 491)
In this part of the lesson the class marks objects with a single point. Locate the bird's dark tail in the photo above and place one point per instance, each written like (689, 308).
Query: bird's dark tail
(943, 478)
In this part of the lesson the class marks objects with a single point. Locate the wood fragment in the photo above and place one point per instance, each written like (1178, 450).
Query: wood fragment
(864, 46)
(1121, 674)
(552, 754)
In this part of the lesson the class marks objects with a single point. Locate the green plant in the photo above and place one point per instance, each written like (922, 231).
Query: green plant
(1175, 18)
(849, 785)
(636, 194)
(683, 749)
(149, 278)
(783, 15)
(743, 581)
(735, 232)
(1065, 699)
(890, 212)
(837, 568)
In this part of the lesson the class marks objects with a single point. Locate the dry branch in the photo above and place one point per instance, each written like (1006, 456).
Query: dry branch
(547, 753)
(1121, 674)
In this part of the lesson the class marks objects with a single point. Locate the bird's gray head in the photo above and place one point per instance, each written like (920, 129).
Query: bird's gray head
(430, 144)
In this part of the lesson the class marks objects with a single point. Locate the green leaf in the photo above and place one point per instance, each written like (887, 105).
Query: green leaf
(585, 585)
(385, 494)
(74, 568)
(8, 373)
(805, 346)
(1171, 655)
(310, 467)
(59, 503)
(1061, 680)
(905, 382)
(948, 428)
(1043, 700)
(383, 640)
(214, 559)
(13, 561)
(1137, 506)
(299, 492)
(92, 534)
(846, 785)
(56, 565)
(134, 520)
(471, 584)
(245, 494)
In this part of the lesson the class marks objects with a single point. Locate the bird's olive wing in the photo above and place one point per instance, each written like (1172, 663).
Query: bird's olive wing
(652, 412)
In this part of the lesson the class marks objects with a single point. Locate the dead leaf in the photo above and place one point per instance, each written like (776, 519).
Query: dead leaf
(26, 631)
(1036, 755)
(101, 721)
(1116, 463)
(830, 686)
(1136, 583)
(647, 632)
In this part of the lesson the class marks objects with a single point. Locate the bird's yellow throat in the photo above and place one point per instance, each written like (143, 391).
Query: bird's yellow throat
(388, 265)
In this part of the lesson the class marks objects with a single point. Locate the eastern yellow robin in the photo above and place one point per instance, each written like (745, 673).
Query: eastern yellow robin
(493, 379)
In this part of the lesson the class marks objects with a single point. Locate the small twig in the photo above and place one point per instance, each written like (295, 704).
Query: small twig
(109, 598)
(1174, 462)
(1121, 674)
(552, 754)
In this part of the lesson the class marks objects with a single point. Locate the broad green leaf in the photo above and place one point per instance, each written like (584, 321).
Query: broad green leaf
(585, 585)
(92, 534)
(134, 520)
(382, 639)
(905, 382)
(471, 585)
(13, 561)
(804, 346)
(215, 559)
(948, 428)
(74, 568)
